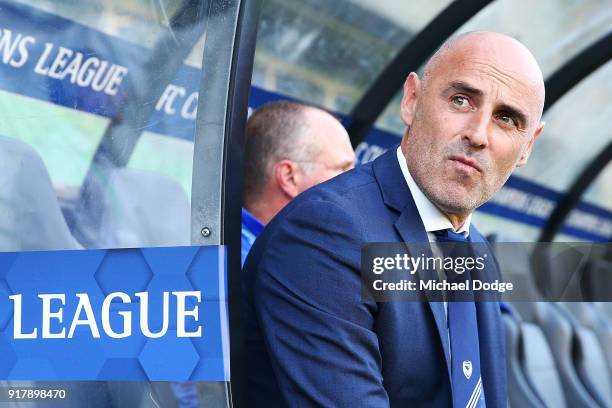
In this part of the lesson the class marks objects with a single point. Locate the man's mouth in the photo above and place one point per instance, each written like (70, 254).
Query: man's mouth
(466, 163)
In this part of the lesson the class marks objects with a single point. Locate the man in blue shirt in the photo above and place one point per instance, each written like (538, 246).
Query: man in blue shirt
(251, 227)
(289, 148)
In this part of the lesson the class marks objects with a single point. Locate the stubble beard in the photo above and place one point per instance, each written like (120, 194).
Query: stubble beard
(442, 189)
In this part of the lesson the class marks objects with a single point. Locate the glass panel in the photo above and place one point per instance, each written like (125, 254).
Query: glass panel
(76, 87)
(329, 52)
(54, 132)
(139, 21)
(600, 192)
(567, 28)
(169, 156)
(96, 149)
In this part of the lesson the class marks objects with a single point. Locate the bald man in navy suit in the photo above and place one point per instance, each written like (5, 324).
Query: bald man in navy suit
(313, 339)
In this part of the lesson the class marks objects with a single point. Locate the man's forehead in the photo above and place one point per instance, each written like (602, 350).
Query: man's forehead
(481, 81)
(489, 61)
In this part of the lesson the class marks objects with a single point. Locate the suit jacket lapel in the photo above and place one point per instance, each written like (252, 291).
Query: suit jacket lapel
(409, 226)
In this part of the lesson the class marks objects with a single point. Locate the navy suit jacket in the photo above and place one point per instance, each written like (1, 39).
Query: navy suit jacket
(312, 339)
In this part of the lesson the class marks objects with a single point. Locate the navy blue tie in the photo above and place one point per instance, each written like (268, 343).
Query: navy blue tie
(463, 333)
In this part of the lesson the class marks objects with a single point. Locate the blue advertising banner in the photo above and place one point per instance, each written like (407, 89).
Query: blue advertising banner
(151, 314)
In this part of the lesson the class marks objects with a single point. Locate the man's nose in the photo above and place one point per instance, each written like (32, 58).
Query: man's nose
(477, 129)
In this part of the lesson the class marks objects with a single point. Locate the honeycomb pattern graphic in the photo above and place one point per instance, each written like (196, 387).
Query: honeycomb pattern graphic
(99, 273)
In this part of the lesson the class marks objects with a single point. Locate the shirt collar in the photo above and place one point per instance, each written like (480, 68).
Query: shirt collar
(433, 219)
(251, 223)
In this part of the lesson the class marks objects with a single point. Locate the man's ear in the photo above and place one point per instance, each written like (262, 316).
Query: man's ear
(286, 175)
(412, 90)
(527, 152)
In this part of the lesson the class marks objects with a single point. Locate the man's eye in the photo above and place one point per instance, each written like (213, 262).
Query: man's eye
(460, 100)
(507, 119)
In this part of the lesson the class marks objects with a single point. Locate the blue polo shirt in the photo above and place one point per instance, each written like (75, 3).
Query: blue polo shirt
(251, 228)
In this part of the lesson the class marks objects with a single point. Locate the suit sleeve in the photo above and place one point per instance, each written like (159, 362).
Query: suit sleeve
(319, 332)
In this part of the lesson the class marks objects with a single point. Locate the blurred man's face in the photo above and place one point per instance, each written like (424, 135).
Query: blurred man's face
(335, 152)
(473, 123)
